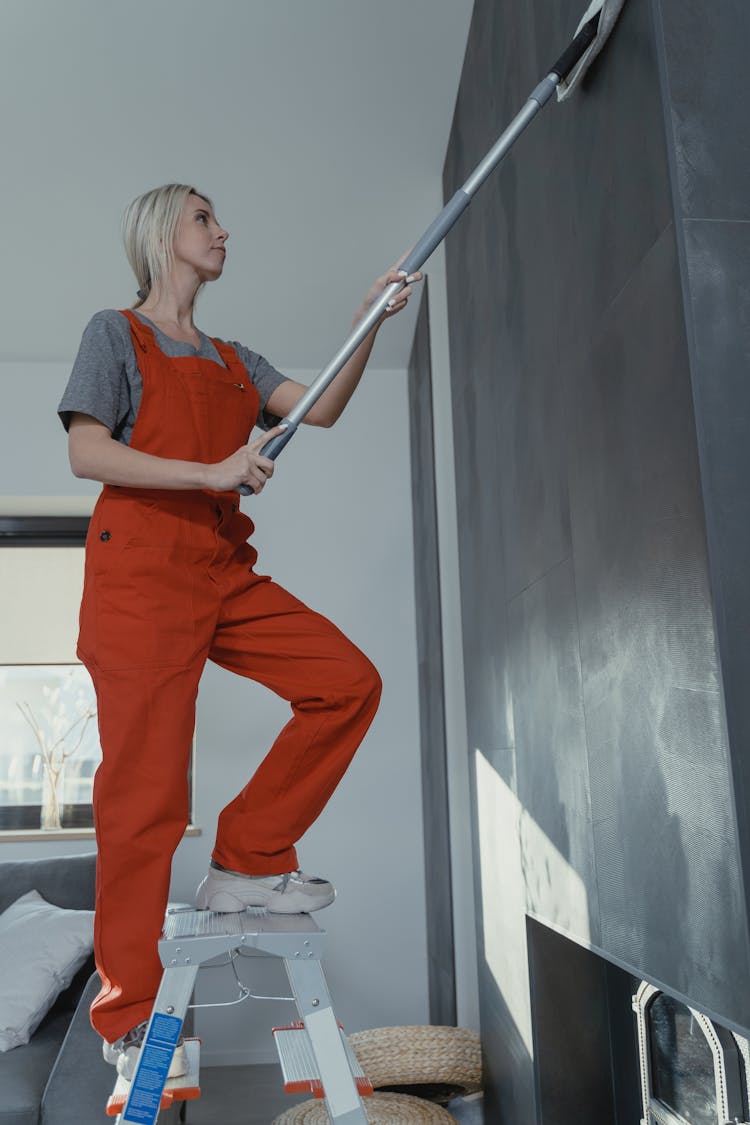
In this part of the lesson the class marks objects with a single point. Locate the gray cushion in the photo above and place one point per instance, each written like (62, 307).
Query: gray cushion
(81, 1081)
(42, 947)
(67, 881)
(25, 1070)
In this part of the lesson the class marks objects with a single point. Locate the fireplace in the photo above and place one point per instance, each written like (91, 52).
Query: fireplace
(612, 1048)
(692, 1069)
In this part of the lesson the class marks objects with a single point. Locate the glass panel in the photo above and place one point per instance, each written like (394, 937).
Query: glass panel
(50, 746)
(682, 1065)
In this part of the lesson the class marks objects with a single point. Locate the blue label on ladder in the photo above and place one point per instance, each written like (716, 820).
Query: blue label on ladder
(153, 1068)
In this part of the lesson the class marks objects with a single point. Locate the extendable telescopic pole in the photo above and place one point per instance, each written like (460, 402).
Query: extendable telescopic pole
(434, 235)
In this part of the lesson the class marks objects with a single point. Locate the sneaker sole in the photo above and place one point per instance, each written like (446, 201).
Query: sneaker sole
(222, 902)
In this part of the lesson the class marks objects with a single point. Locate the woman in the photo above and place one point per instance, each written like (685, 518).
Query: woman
(161, 414)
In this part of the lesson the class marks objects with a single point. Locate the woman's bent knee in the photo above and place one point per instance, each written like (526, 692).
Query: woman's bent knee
(369, 685)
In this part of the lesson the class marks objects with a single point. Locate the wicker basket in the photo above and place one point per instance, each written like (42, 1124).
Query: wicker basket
(381, 1109)
(438, 1063)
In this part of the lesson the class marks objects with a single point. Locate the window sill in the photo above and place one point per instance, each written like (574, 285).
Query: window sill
(35, 835)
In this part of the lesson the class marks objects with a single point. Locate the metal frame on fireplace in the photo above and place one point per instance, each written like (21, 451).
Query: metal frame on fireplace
(729, 1092)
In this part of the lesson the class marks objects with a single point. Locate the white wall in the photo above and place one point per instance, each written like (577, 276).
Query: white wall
(335, 527)
(315, 125)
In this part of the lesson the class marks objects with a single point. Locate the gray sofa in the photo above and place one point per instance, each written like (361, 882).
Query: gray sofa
(59, 1077)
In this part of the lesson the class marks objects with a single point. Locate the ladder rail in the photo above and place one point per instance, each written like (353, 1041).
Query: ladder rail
(314, 1005)
(162, 1034)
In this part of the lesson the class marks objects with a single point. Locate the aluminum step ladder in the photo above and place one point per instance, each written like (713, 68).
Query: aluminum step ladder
(314, 1054)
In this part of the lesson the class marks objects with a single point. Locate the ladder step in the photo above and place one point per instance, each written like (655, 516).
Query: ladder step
(183, 1089)
(191, 937)
(298, 1066)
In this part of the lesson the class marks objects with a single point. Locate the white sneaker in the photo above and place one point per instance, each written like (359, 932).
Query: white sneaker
(125, 1052)
(292, 893)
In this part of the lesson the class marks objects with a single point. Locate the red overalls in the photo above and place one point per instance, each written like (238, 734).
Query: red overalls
(169, 583)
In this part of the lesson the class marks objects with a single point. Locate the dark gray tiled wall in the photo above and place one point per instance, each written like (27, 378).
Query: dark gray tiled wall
(599, 355)
(550, 739)
(477, 396)
(715, 262)
(707, 83)
(717, 259)
(705, 67)
(660, 776)
(440, 952)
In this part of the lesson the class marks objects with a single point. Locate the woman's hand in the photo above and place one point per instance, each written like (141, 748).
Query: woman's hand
(246, 466)
(381, 283)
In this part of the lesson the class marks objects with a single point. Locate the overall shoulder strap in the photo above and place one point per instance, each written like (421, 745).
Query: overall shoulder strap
(141, 333)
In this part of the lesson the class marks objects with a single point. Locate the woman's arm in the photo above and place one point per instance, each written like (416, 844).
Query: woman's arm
(95, 455)
(330, 406)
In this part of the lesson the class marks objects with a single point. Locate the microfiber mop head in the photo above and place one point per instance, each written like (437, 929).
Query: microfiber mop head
(607, 12)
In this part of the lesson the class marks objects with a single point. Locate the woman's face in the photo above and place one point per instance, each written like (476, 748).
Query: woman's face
(199, 241)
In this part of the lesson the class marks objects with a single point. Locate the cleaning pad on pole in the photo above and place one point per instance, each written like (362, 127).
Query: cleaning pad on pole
(610, 10)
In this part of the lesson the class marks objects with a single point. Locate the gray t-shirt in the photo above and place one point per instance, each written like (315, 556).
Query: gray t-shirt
(105, 381)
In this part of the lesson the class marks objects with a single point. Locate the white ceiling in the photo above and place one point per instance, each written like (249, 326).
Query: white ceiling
(319, 128)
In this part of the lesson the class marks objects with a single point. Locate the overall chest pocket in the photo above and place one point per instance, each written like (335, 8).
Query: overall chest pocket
(231, 411)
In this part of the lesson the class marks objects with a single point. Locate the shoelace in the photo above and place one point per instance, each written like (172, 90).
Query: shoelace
(132, 1038)
(283, 883)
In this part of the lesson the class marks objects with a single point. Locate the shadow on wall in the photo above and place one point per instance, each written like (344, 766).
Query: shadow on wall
(652, 931)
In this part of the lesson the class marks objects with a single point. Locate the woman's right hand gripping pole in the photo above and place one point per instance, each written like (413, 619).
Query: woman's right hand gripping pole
(246, 466)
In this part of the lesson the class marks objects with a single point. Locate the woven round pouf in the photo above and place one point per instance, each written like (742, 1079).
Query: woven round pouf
(437, 1063)
(381, 1109)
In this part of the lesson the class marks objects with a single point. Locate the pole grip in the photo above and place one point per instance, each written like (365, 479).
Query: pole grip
(272, 449)
(436, 232)
(577, 48)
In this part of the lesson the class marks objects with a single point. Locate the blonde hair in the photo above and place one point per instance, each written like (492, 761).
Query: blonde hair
(148, 228)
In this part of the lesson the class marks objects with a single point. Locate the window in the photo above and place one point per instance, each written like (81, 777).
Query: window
(693, 1071)
(50, 747)
(49, 744)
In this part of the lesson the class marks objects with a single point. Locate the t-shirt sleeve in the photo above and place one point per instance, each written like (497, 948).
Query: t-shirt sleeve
(266, 379)
(98, 383)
